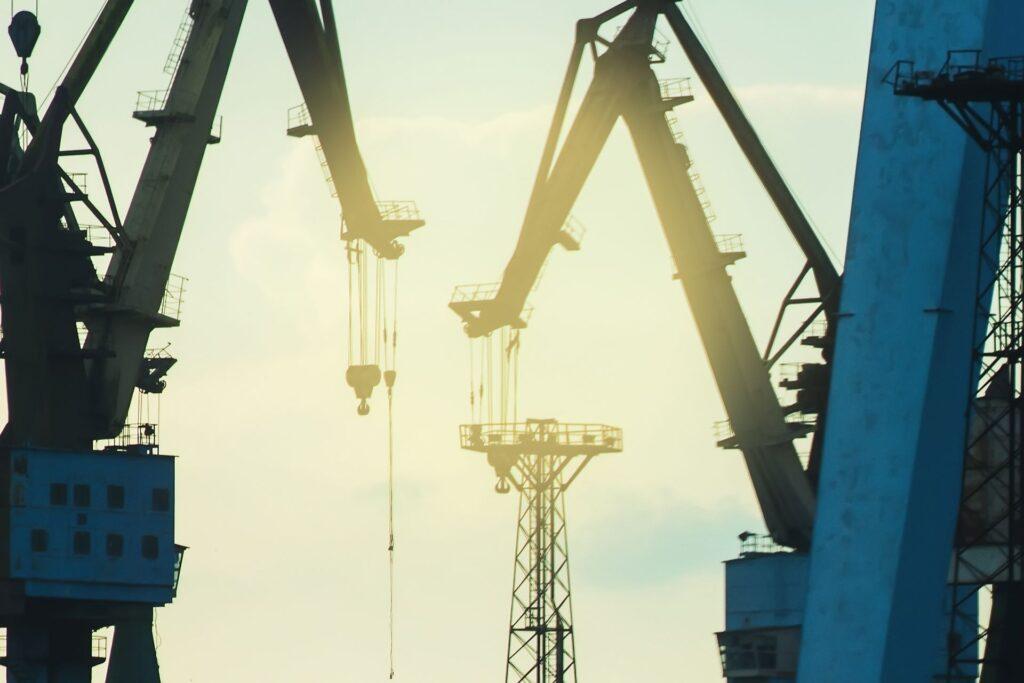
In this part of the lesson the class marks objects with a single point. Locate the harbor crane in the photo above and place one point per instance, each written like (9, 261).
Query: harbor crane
(625, 86)
(88, 511)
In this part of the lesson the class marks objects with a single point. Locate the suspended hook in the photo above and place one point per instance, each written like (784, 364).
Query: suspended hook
(24, 31)
(502, 486)
(363, 378)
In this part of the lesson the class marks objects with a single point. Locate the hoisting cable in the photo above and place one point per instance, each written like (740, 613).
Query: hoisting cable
(494, 369)
(390, 357)
(350, 256)
(365, 321)
(472, 383)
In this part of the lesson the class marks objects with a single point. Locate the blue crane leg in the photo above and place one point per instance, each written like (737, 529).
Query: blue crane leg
(893, 454)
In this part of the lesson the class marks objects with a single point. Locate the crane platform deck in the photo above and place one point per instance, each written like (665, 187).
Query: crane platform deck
(541, 437)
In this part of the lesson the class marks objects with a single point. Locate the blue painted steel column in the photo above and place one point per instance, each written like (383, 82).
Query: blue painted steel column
(893, 454)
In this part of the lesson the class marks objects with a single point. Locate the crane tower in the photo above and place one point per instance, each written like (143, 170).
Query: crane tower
(540, 459)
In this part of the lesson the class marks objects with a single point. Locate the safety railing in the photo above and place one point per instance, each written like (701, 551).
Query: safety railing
(702, 195)
(729, 244)
(174, 296)
(474, 293)
(659, 47)
(789, 372)
(181, 37)
(134, 438)
(1011, 68)
(97, 235)
(298, 116)
(179, 560)
(574, 229)
(553, 435)
(722, 430)
(960, 65)
(325, 167)
(151, 100)
(80, 182)
(404, 210)
(817, 330)
(677, 130)
(217, 129)
(759, 544)
(676, 88)
(97, 648)
(154, 106)
(801, 424)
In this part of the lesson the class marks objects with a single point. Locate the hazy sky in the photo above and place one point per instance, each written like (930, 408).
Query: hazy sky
(281, 485)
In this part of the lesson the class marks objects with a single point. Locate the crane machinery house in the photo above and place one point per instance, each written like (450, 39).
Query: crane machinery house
(87, 526)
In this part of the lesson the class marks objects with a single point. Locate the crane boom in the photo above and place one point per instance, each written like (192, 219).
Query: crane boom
(138, 274)
(624, 86)
(311, 43)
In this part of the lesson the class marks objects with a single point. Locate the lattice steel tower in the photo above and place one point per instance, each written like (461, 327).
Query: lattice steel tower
(986, 98)
(540, 458)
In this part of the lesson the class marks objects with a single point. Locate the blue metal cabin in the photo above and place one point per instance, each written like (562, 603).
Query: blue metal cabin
(93, 526)
(764, 610)
(765, 598)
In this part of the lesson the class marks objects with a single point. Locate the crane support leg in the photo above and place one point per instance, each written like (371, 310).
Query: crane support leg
(782, 487)
(893, 454)
(825, 273)
(57, 652)
(133, 653)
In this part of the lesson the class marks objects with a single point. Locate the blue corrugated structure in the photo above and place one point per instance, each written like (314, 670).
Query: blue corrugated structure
(87, 526)
(893, 456)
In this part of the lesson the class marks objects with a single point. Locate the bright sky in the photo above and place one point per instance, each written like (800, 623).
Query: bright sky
(281, 485)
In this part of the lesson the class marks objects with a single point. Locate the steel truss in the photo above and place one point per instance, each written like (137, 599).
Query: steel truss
(541, 642)
(987, 100)
(541, 459)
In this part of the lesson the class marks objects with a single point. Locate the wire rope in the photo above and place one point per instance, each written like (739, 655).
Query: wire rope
(391, 534)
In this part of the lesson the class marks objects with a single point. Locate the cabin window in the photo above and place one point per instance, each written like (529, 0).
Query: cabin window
(58, 494)
(115, 497)
(161, 500)
(40, 540)
(82, 543)
(83, 495)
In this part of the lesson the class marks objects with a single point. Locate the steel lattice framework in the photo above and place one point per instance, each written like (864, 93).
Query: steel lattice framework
(987, 100)
(541, 459)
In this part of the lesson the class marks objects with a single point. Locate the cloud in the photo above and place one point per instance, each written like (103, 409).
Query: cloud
(501, 133)
(790, 95)
(653, 539)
